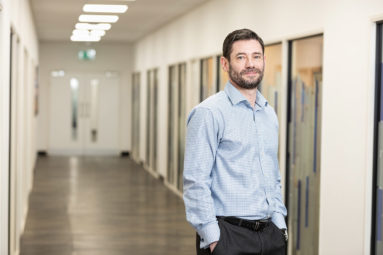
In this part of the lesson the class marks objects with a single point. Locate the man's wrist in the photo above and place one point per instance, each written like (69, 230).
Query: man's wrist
(285, 234)
(212, 246)
(209, 233)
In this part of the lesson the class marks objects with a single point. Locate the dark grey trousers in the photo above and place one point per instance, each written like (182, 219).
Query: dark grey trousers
(236, 240)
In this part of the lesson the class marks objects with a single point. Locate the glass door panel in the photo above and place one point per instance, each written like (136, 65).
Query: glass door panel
(135, 116)
(222, 77)
(148, 118)
(151, 138)
(172, 175)
(271, 86)
(181, 123)
(303, 157)
(208, 81)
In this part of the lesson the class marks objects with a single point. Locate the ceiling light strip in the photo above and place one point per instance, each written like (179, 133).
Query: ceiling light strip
(84, 38)
(105, 8)
(87, 26)
(98, 18)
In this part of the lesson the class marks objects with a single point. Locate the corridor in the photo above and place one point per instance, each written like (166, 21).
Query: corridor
(102, 205)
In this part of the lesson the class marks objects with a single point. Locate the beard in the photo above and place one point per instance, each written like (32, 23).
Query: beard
(238, 78)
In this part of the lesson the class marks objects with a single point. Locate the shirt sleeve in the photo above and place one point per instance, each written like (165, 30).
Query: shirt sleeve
(280, 211)
(278, 216)
(200, 151)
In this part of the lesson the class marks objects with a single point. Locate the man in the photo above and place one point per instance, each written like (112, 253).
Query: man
(232, 190)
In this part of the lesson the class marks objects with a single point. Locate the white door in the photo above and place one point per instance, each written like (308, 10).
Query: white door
(84, 114)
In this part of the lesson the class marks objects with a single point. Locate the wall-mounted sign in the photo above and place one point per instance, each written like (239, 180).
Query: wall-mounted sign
(89, 54)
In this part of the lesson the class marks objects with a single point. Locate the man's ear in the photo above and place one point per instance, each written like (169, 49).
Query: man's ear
(225, 64)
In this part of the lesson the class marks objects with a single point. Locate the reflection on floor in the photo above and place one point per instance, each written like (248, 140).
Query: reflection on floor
(103, 205)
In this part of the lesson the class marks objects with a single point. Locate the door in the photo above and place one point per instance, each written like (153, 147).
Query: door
(136, 116)
(303, 146)
(151, 120)
(84, 116)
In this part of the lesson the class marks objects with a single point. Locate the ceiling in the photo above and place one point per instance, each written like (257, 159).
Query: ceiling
(55, 19)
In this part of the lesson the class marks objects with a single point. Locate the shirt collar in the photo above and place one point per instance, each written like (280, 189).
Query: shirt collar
(236, 97)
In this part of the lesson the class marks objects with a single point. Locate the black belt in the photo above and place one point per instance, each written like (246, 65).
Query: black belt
(254, 225)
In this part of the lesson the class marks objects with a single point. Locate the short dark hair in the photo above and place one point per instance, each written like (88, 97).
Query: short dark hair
(237, 35)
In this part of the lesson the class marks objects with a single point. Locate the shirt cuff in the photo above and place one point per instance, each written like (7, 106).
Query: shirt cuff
(279, 220)
(209, 234)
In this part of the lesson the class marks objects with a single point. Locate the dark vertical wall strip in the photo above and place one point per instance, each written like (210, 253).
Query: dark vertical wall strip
(378, 75)
(299, 214)
(287, 127)
(381, 92)
(307, 202)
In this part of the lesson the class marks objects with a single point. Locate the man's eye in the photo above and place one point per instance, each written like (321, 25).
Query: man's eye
(240, 57)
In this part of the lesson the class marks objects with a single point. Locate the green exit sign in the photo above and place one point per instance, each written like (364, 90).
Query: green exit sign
(89, 54)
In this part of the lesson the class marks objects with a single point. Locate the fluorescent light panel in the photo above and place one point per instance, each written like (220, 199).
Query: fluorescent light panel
(87, 26)
(98, 18)
(97, 33)
(80, 32)
(105, 8)
(85, 38)
(77, 32)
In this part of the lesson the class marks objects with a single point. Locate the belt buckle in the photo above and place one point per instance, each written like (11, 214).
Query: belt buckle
(256, 226)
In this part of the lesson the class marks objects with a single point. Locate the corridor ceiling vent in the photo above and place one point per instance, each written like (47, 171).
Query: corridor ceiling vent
(92, 27)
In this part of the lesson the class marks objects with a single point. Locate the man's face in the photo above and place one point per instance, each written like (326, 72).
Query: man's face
(246, 65)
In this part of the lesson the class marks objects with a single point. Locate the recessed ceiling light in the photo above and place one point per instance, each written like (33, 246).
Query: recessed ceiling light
(87, 26)
(98, 18)
(106, 8)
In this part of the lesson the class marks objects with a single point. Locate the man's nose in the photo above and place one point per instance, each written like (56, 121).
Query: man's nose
(250, 62)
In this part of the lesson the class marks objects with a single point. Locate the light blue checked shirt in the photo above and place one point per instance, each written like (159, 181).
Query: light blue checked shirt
(231, 166)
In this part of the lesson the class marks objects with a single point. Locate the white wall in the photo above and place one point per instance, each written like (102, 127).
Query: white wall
(348, 98)
(63, 56)
(16, 13)
(4, 128)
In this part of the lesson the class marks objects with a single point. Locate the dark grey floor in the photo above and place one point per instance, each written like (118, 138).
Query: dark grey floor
(103, 205)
